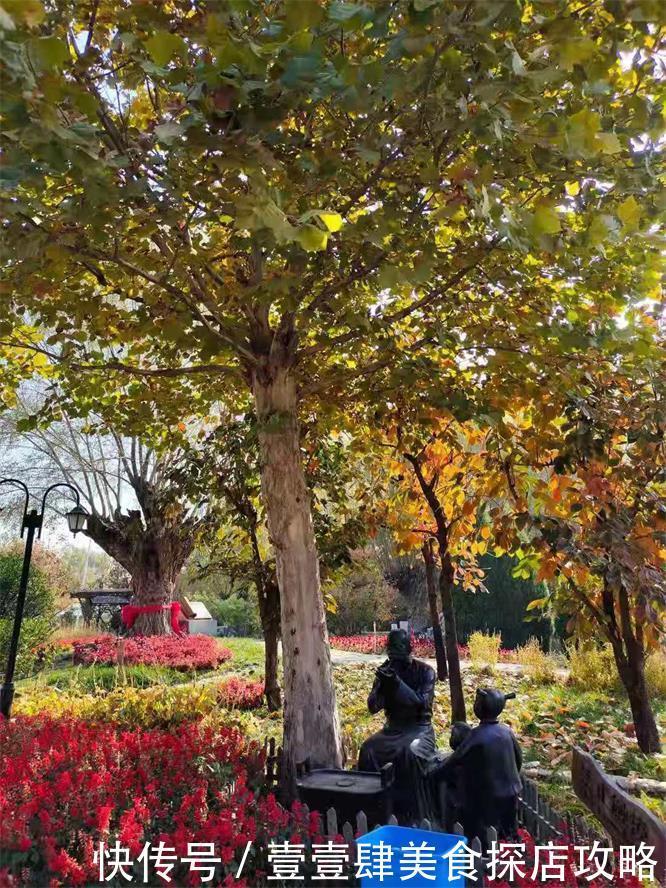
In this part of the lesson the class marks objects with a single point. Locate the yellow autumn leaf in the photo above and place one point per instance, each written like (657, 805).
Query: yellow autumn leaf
(333, 221)
(629, 213)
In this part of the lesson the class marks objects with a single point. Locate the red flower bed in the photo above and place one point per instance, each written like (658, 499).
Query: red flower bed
(369, 644)
(67, 785)
(186, 652)
(238, 693)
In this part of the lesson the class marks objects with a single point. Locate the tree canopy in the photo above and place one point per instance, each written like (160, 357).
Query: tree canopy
(189, 187)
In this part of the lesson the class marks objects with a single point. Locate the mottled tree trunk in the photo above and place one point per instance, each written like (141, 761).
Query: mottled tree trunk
(431, 586)
(446, 575)
(311, 727)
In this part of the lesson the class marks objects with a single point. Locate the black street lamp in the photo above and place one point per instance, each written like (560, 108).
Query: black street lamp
(32, 521)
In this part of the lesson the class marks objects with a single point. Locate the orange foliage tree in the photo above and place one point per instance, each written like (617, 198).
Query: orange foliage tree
(588, 493)
(442, 497)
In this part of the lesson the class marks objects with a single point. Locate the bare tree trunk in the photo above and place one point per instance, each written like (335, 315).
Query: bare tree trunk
(446, 575)
(431, 586)
(631, 668)
(647, 733)
(269, 611)
(311, 726)
(458, 711)
(272, 683)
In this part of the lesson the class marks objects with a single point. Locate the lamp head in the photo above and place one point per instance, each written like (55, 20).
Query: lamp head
(76, 518)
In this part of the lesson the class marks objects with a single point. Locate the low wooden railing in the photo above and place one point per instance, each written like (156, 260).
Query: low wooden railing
(535, 813)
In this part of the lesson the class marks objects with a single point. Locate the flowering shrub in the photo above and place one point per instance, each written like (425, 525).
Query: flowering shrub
(238, 693)
(151, 707)
(421, 647)
(67, 785)
(187, 652)
(131, 707)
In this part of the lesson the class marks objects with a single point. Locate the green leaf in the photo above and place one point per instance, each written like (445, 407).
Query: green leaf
(629, 213)
(582, 131)
(50, 51)
(344, 12)
(168, 132)
(6, 21)
(574, 52)
(602, 225)
(163, 46)
(609, 142)
(312, 238)
(333, 221)
(86, 103)
(31, 12)
(518, 65)
(545, 220)
(303, 14)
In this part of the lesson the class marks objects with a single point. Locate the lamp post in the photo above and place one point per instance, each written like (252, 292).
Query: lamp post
(32, 521)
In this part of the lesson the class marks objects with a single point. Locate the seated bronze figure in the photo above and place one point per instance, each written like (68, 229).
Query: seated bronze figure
(404, 688)
(483, 772)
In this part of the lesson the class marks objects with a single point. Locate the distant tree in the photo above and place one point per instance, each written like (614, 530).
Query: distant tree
(441, 488)
(41, 594)
(361, 596)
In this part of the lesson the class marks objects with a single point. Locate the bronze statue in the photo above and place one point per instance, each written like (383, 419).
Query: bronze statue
(404, 688)
(484, 771)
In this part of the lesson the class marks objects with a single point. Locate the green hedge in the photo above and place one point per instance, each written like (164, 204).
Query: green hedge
(34, 631)
(503, 608)
(39, 598)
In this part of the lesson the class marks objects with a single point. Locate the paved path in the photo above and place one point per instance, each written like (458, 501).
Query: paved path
(353, 658)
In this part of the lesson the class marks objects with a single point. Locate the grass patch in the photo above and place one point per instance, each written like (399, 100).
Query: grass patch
(248, 656)
(105, 678)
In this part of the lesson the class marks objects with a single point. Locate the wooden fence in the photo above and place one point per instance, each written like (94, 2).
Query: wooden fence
(535, 814)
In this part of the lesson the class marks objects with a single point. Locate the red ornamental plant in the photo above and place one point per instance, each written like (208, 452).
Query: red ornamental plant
(187, 652)
(66, 786)
(238, 693)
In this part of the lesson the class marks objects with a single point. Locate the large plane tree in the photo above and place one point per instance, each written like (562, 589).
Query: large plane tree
(290, 200)
(139, 513)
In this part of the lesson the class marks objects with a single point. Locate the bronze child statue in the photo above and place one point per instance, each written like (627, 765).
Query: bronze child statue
(484, 771)
(404, 688)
